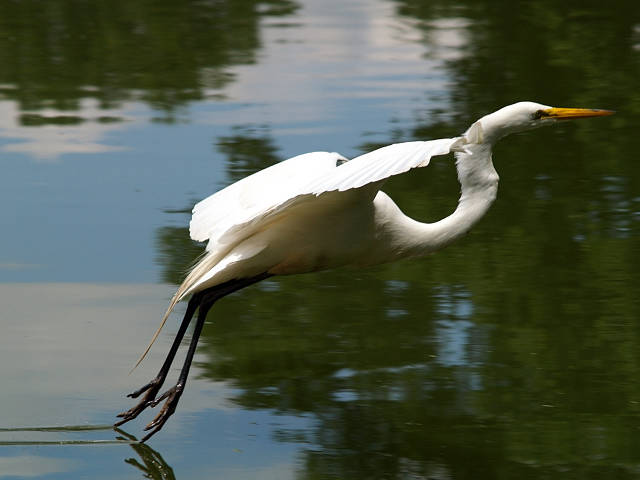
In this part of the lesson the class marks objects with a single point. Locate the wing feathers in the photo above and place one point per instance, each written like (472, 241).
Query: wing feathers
(251, 196)
(240, 209)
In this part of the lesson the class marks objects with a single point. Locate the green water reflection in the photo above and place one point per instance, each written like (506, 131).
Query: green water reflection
(166, 53)
(513, 354)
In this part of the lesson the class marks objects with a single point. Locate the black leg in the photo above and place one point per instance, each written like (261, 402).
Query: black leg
(153, 387)
(174, 393)
(203, 301)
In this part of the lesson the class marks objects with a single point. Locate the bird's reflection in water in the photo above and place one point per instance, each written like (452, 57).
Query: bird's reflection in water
(151, 463)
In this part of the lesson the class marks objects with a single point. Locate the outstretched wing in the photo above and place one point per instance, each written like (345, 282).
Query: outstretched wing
(379, 165)
(240, 209)
(256, 194)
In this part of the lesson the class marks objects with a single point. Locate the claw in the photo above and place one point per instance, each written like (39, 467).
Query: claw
(147, 401)
(143, 389)
(173, 396)
(163, 396)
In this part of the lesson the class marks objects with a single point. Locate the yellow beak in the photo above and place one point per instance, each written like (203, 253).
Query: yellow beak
(571, 113)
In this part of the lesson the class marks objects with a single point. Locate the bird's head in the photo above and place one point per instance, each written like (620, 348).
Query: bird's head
(523, 116)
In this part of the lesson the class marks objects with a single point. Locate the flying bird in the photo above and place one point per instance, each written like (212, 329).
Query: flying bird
(320, 211)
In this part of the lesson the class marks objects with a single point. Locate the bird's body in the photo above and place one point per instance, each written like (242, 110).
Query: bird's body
(319, 211)
(308, 232)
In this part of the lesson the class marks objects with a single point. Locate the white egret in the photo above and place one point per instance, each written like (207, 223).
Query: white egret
(318, 211)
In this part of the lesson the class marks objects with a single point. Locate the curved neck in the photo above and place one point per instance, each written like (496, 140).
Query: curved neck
(478, 188)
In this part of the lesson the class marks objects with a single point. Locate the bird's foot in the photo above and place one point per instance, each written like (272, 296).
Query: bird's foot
(173, 397)
(152, 389)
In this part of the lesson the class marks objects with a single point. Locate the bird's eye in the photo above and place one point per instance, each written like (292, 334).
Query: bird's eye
(538, 115)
